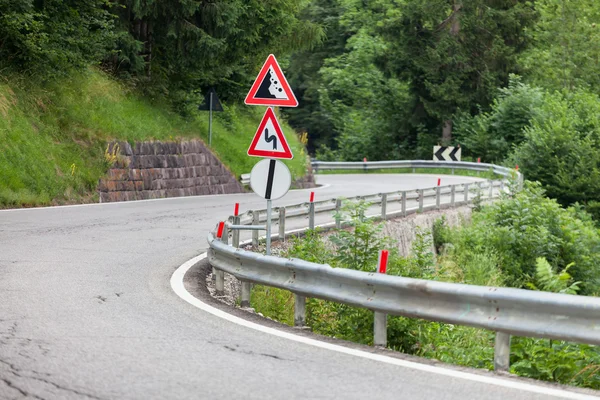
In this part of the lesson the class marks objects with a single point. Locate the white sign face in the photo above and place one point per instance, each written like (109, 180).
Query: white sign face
(270, 179)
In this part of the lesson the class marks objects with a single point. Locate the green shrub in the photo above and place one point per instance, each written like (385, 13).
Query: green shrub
(358, 248)
(562, 147)
(520, 229)
(492, 135)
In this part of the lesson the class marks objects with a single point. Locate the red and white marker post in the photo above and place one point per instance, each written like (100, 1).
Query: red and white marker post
(380, 320)
(220, 230)
(311, 211)
(383, 261)
(218, 275)
(438, 194)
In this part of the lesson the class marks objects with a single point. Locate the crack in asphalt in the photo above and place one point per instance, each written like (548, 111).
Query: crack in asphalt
(11, 333)
(18, 389)
(252, 353)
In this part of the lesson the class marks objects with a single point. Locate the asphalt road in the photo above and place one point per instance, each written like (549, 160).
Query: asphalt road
(87, 311)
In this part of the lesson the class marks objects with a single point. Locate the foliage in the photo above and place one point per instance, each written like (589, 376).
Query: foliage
(275, 303)
(455, 53)
(549, 281)
(358, 248)
(556, 361)
(473, 254)
(45, 129)
(492, 135)
(52, 37)
(562, 147)
(310, 248)
(565, 49)
(181, 46)
(440, 232)
(527, 226)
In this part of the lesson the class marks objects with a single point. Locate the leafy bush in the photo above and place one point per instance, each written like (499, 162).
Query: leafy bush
(358, 248)
(524, 240)
(562, 148)
(492, 135)
(520, 229)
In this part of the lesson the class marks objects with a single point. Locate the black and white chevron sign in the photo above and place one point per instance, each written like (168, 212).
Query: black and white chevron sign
(441, 153)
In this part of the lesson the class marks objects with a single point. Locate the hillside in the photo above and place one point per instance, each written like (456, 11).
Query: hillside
(53, 137)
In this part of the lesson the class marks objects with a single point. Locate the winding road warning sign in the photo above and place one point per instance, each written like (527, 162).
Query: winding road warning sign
(269, 140)
(271, 88)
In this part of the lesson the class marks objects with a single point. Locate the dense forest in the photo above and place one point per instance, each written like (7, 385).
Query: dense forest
(511, 81)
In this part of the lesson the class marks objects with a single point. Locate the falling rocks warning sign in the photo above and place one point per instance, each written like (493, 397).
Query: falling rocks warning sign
(271, 88)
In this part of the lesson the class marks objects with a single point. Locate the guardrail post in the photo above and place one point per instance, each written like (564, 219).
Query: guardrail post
(466, 186)
(380, 319)
(380, 329)
(236, 233)
(220, 274)
(338, 210)
(452, 171)
(245, 300)
(282, 224)
(404, 204)
(421, 194)
(501, 186)
(491, 188)
(299, 310)
(255, 221)
(311, 216)
(438, 197)
(225, 238)
(502, 352)
(452, 195)
(384, 197)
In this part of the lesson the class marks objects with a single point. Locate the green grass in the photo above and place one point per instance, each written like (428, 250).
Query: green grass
(53, 136)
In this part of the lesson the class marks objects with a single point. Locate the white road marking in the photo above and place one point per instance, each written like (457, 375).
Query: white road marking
(179, 288)
(149, 200)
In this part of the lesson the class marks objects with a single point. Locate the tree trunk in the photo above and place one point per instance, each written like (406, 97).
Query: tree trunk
(455, 27)
(447, 132)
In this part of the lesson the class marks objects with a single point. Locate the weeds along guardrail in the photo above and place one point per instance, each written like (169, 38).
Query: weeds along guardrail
(505, 311)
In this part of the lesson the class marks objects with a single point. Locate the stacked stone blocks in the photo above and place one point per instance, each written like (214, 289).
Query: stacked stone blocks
(152, 170)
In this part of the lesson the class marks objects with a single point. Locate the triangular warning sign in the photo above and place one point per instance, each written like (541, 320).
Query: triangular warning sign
(271, 88)
(269, 140)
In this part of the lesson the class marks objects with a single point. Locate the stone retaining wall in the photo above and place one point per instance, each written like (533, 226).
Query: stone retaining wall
(152, 170)
(403, 230)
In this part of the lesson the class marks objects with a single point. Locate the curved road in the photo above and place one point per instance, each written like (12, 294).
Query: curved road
(87, 311)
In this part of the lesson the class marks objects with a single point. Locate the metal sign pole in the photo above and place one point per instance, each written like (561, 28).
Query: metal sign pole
(210, 110)
(269, 207)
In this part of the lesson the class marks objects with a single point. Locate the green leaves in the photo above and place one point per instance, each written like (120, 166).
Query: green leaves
(549, 281)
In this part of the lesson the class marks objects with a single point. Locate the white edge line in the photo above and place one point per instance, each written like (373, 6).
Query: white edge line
(183, 198)
(178, 287)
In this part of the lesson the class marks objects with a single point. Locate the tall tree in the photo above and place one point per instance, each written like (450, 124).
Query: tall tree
(182, 45)
(566, 45)
(456, 53)
(49, 37)
(305, 78)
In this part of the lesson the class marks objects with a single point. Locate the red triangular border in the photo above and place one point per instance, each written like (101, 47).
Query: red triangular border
(286, 154)
(251, 98)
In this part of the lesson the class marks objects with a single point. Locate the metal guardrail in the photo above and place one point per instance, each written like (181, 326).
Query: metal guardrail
(509, 311)
(413, 164)
(503, 310)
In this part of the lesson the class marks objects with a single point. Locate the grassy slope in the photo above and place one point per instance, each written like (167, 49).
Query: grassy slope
(52, 139)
